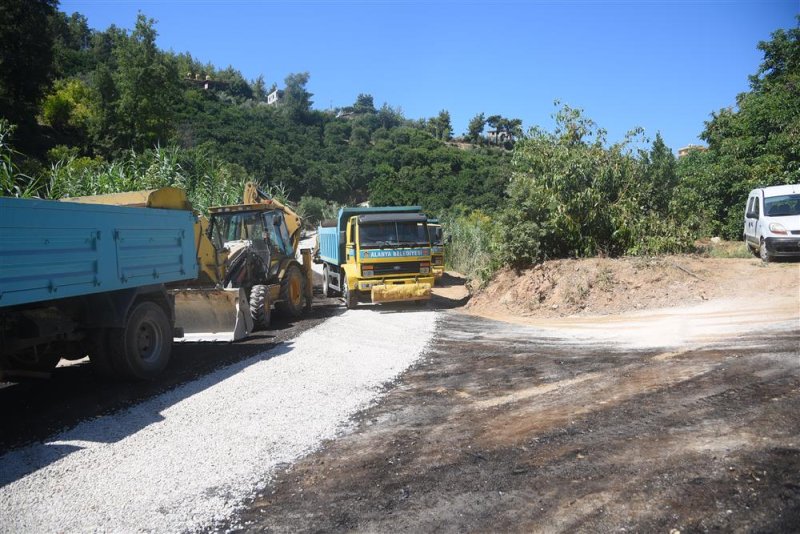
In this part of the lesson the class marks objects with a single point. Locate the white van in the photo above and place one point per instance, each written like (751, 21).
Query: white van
(772, 221)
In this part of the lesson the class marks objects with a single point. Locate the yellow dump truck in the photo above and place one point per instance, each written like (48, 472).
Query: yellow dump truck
(247, 263)
(376, 254)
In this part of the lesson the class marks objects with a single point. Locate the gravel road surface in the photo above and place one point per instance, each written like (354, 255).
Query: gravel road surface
(187, 458)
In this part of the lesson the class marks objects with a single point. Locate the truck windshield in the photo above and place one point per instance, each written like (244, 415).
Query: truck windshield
(389, 234)
(782, 206)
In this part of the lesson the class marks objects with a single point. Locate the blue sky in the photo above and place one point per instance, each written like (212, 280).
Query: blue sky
(659, 64)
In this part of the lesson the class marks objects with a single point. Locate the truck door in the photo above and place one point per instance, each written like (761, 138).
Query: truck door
(350, 246)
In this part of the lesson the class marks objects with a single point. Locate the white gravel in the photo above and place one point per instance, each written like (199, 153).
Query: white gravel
(191, 456)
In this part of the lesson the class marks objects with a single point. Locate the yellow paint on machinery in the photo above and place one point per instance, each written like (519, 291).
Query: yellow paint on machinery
(168, 198)
(213, 314)
(400, 292)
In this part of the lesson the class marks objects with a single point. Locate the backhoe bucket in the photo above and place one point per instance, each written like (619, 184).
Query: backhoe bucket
(212, 314)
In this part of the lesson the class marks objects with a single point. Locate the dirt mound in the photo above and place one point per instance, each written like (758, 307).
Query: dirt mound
(601, 286)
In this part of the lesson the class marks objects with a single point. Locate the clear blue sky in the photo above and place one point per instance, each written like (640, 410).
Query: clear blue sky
(659, 64)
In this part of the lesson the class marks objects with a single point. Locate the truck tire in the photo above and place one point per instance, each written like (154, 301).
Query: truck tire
(141, 349)
(763, 253)
(259, 307)
(350, 297)
(327, 290)
(292, 295)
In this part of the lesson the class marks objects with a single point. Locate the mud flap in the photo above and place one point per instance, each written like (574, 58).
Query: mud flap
(212, 314)
(400, 292)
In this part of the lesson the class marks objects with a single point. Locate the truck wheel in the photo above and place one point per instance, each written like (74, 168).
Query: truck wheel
(292, 293)
(764, 253)
(259, 307)
(142, 348)
(326, 283)
(350, 297)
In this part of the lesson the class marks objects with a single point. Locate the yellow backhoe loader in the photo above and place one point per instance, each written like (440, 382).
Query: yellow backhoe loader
(247, 257)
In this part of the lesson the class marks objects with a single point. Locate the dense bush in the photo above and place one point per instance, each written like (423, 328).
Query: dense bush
(572, 195)
(469, 248)
(208, 181)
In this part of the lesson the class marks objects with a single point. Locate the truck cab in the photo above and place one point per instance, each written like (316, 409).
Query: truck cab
(376, 255)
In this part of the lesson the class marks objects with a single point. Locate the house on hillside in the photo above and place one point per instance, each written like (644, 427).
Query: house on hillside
(274, 98)
(205, 83)
(499, 137)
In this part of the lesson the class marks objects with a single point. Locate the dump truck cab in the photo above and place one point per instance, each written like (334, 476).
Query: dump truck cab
(376, 255)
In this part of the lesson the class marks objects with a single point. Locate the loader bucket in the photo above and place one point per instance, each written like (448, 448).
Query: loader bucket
(212, 314)
(400, 292)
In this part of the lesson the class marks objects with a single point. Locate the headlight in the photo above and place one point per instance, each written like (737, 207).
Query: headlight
(366, 270)
(777, 228)
(424, 270)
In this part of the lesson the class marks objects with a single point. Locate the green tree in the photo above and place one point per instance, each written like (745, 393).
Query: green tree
(72, 45)
(475, 128)
(440, 126)
(296, 100)
(26, 60)
(148, 86)
(756, 144)
(364, 104)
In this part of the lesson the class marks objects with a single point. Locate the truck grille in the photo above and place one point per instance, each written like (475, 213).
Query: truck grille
(400, 267)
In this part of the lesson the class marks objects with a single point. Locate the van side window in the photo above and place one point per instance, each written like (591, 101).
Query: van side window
(755, 206)
(749, 205)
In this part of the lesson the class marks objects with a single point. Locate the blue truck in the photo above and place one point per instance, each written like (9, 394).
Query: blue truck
(83, 279)
(376, 254)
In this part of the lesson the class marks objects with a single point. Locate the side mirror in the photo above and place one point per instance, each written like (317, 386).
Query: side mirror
(751, 215)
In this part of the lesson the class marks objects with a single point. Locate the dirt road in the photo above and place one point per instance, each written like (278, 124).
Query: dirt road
(651, 420)
(502, 428)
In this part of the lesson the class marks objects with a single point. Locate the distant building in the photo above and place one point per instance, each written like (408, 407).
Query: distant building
(499, 137)
(274, 97)
(205, 83)
(688, 148)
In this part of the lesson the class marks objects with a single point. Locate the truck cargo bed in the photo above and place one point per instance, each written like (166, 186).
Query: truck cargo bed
(51, 250)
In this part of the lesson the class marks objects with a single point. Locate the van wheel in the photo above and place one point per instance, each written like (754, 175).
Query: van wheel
(142, 348)
(755, 251)
(293, 293)
(764, 253)
(259, 307)
(350, 297)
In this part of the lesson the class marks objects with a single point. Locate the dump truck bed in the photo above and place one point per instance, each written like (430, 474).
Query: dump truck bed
(51, 250)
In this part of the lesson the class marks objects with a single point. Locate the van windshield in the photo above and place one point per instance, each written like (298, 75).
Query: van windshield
(782, 206)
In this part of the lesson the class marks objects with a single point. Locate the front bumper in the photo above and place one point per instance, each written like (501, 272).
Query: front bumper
(783, 246)
(397, 289)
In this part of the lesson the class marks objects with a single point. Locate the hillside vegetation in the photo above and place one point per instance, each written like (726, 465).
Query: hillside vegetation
(86, 111)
